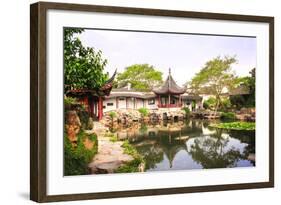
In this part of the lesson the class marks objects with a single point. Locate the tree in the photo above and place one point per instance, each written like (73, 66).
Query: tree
(214, 151)
(216, 75)
(250, 83)
(143, 77)
(83, 66)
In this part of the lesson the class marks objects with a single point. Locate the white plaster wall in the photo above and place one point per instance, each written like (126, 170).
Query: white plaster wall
(109, 108)
(153, 106)
(139, 103)
(122, 103)
(130, 103)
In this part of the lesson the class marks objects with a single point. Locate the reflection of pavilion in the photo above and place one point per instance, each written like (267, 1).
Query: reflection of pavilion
(208, 149)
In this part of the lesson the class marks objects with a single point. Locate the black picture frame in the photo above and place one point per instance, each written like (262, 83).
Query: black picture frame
(38, 96)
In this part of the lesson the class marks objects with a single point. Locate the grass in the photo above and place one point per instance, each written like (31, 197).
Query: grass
(133, 165)
(76, 159)
(235, 125)
(112, 137)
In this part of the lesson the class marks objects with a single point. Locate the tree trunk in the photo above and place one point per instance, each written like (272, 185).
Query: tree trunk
(217, 106)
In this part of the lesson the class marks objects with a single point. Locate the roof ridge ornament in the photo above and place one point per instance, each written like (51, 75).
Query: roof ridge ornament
(170, 87)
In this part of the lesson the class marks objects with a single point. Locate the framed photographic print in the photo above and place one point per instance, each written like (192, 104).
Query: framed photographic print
(134, 102)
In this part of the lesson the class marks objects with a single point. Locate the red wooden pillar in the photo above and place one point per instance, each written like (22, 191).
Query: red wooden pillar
(86, 103)
(159, 103)
(100, 108)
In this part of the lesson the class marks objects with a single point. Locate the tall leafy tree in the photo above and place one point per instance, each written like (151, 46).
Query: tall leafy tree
(250, 83)
(143, 77)
(216, 75)
(83, 66)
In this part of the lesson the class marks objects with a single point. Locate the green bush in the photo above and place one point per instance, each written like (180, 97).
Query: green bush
(210, 103)
(186, 110)
(132, 166)
(76, 159)
(225, 103)
(69, 101)
(129, 167)
(112, 114)
(227, 115)
(84, 117)
(143, 111)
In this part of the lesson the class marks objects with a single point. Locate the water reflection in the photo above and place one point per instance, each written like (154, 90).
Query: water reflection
(190, 145)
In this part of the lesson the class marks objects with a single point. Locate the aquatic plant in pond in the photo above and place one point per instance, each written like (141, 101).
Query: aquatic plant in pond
(235, 125)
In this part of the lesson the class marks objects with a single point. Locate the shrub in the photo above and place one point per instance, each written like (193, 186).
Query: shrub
(225, 103)
(210, 103)
(112, 114)
(143, 111)
(187, 111)
(132, 166)
(69, 101)
(227, 115)
(77, 158)
(84, 117)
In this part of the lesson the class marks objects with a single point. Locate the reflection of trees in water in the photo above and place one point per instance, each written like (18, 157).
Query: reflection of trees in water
(151, 152)
(154, 141)
(210, 152)
(247, 137)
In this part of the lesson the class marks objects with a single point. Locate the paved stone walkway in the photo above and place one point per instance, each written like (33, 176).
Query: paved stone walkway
(110, 155)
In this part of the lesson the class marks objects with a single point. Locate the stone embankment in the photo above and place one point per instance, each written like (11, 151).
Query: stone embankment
(129, 116)
(246, 114)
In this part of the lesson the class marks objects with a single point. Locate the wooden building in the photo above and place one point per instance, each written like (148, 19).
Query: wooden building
(169, 94)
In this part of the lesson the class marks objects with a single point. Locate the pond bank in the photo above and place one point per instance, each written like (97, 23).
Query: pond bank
(111, 154)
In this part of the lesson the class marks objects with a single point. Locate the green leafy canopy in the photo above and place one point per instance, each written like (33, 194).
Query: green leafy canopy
(83, 66)
(143, 77)
(216, 75)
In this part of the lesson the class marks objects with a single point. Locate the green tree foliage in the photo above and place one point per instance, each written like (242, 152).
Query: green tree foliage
(246, 100)
(216, 75)
(83, 66)
(210, 103)
(214, 152)
(143, 111)
(76, 159)
(187, 111)
(143, 77)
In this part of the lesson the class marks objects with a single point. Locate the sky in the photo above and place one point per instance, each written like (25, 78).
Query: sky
(185, 54)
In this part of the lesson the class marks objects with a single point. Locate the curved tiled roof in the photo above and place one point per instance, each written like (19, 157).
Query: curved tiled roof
(131, 94)
(170, 87)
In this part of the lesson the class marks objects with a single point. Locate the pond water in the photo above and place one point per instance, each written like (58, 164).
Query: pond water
(190, 145)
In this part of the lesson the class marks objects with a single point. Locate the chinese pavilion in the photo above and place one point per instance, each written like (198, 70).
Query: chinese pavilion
(169, 95)
(92, 99)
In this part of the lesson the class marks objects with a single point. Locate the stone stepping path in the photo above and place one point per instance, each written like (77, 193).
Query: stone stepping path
(110, 155)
